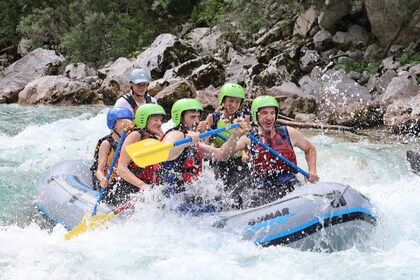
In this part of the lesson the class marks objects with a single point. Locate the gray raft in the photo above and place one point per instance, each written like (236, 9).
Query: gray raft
(326, 216)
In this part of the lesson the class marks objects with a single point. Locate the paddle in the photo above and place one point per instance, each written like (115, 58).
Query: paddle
(273, 152)
(151, 151)
(95, 221)
(221, 136)
(83, 226)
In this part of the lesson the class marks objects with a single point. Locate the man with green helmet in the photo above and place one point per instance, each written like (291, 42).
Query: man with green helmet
(272, 178)
(185, 161)
(132, 177)
(234, 171)
(138, 96)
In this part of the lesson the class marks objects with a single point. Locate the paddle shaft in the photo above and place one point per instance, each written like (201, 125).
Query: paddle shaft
(275, 153)
(221, 136)
(109, 172)
(207, 134)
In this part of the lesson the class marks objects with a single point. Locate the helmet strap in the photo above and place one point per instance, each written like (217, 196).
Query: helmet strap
(116, 133)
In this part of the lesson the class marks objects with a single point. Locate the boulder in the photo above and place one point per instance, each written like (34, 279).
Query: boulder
(170, 94)
(387, 18)
(38, 63)
(403, 116)
(334, 11)
(414, 159)
(58, 90)
(116, 79)
(166, 52)
(305, 22)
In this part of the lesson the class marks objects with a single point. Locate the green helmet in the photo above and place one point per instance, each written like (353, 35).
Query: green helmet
(145, 111)
(232, 90)
(182, 105)
(261, 102)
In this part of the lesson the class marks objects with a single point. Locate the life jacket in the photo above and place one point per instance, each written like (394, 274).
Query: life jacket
(113, 146)
(266, 163)
(130, 99)
(218, 122)
(147, 174)
(186, 167)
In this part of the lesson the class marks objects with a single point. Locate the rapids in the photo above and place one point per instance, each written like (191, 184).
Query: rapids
(158, 245)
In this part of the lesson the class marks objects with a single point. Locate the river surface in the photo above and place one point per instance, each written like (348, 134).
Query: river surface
(155, 245)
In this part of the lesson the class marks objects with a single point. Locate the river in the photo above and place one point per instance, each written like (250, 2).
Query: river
(153, 245)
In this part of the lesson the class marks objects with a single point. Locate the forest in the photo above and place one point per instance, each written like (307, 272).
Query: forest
(99, 31)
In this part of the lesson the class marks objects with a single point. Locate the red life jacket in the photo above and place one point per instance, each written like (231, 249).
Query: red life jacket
(264, 162)
(147, 174)
(187, 166)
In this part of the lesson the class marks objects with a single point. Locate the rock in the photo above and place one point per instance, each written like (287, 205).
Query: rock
(334, 11)
(305, 22)
(38, 63)
(385, 29)
(356, 35)
(116, 79)
(414, 159)
(169, 95)
(57, 90)
(208, 98)
(278, 31)
(371, 52)
(390, 63)
(403, 86)
(308, 61)
(236, 69)
(322, 39)
(166, 52)
(341, 99)
(384, 81)
(78, 71)
(402, 116)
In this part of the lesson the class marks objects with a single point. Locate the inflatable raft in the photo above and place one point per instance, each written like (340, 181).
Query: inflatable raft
(330, 216)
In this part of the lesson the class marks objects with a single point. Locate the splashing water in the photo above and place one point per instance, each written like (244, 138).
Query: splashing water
(155, 244)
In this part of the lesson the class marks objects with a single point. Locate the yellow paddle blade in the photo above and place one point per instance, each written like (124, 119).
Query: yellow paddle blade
(148, 152)
(89, 223)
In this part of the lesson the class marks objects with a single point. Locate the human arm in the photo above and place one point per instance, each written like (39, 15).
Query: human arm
(104, 150)
(176, 135)
(228, 148)
(298, 140)
(125, 160)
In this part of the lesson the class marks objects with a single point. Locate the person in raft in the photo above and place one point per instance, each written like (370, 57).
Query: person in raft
(138, 96)
(185, 162)
(117, 120)
(271, 177)
(233, 172)
(132, 177)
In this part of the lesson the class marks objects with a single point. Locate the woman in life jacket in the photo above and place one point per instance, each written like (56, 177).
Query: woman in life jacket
(117, 120)
(132, 177)
(138, 96)
(272, 178)
(233, 172)
(184, 163)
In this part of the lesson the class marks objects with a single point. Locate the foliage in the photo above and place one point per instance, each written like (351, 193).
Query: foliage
(11, 11)
(209, 12)
(93, 31)
(360, 66)
(407, 58)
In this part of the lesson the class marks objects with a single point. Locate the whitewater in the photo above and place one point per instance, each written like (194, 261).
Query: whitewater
(154, 244)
